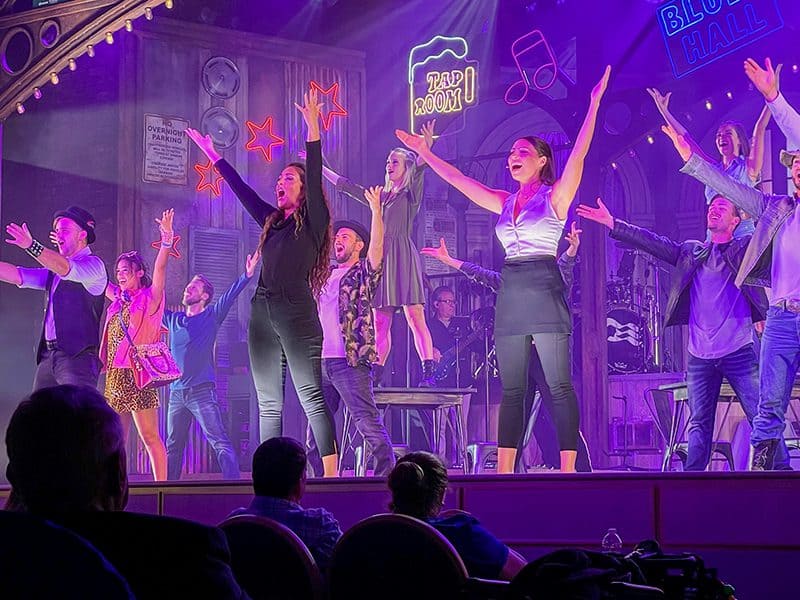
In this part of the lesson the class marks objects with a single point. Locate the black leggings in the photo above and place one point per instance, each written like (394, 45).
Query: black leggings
(283, 332)
(513, 356)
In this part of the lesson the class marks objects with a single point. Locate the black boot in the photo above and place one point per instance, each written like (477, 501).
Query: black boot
(377, 375)
(428, 378)
(762, 455)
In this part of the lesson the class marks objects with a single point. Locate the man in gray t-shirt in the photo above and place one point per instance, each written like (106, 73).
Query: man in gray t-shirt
(720, 316)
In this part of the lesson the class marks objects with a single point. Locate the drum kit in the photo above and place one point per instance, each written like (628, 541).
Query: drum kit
(633, 318)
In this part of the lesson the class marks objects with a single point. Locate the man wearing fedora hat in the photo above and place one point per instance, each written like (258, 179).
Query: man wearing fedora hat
(771, 260)
(74, 280)
(348, 332)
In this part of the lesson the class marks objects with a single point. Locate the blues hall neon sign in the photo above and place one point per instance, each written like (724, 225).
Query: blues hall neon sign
(443, 83)
(699, 32)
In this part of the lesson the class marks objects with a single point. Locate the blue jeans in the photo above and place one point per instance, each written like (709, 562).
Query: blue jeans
(780, 358)
(353, 385)
(201, 403)
(704, 379)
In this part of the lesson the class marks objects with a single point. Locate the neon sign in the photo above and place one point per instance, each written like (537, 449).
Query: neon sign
(443, 83)
(262, 138)
(210, 178)
(545, 73)
(172, 251)
(699, 32)
(333, 92)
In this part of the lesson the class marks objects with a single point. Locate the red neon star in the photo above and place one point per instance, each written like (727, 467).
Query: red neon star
(209, 178)
(172, 251)
(263, 139)
(333, 91)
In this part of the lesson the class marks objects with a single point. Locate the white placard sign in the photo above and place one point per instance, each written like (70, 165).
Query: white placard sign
(166, 150)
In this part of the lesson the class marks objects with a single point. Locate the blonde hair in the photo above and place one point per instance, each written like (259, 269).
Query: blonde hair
(410, 161)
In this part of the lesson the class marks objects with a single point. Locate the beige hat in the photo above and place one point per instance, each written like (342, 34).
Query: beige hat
(788, 156)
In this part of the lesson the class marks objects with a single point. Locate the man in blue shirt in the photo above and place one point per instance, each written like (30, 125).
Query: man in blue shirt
(192, 333)
(279, 482)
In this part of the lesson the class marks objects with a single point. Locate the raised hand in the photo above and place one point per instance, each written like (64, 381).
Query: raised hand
(681, 145)
(574, 239)
(427, 132)
(599, 214)
(205, 143)
(311, 109)
(252, 262)
(661, 100)
(373, 196)
(165, 222)
(441, 253)
(600, 88)
(19, 235)
(765, 80)
(412, 141)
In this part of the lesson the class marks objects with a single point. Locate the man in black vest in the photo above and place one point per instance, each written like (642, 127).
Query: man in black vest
(74, 281)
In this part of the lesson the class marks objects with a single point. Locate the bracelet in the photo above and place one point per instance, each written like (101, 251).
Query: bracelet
(35, 249)
(165, 245)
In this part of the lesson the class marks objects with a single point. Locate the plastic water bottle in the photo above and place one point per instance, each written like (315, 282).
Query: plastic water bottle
(612, 542)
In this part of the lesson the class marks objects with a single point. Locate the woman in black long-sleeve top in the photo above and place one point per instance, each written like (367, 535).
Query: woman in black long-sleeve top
(295, 248)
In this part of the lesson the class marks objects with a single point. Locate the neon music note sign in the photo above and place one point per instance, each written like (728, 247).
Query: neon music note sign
(443, 83)
(545, 74)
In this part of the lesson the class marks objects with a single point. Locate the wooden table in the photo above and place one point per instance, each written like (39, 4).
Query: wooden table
(438, 400)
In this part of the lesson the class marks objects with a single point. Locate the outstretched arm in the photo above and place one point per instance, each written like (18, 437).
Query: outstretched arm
(20, 236)
(486, 277)
(319, 216)
(767, 81)
(659, 246)
(375, 251)
(251, 201)
(485, 197)
(755, 160)
(10, 274)
(566, 187)
(662, 104)
(223, 305)
(160, 268)
(750, 200)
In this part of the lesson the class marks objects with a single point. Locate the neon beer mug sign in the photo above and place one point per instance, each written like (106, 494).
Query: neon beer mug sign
(443, 83)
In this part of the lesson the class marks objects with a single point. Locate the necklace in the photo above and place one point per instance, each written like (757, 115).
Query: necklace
(522, 197)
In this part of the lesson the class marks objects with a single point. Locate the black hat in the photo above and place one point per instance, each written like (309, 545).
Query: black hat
(358, 228)
(82, 217)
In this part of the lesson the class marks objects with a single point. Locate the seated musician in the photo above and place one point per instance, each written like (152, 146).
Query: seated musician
(449, 334)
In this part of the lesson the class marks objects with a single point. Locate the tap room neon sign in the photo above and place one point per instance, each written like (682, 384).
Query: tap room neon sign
(699, 32)
(443, 83)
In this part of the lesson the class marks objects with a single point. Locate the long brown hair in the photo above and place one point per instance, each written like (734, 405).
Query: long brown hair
(320, 271)
(548, 172)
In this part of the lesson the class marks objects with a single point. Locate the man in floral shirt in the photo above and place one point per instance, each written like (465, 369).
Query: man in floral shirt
(348, 334)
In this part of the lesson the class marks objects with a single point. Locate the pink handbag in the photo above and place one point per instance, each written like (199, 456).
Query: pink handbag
(153, 364)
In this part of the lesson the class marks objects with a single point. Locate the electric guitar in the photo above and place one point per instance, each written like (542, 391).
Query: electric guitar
(448, 360)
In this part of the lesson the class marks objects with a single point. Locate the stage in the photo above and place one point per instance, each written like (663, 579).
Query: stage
(744, 524)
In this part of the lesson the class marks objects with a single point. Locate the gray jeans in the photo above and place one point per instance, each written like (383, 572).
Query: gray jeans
(353, 385)
(59, 368)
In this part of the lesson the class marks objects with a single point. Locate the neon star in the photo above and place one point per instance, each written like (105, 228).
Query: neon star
(333, 92)
(263, 139)
(172, 251)
(210, 178)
